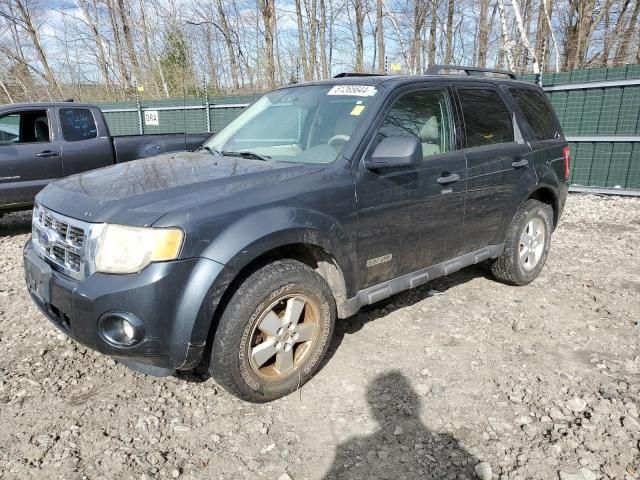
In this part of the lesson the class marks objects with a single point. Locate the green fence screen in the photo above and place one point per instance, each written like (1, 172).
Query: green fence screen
(601, 109)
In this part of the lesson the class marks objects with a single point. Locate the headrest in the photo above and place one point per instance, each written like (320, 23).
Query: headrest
(41, 129)
(430, 131)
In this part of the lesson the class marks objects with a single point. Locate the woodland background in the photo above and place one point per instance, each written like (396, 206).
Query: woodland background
(103, 50)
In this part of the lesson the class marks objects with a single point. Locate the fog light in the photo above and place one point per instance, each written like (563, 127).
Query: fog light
(120, 329)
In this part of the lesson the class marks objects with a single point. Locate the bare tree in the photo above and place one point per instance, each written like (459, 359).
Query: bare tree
(268, 11)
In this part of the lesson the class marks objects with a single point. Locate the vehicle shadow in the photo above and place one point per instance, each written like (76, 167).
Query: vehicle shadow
(401, 446)
(16, 223)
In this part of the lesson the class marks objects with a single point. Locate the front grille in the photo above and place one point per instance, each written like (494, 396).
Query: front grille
(60, 239)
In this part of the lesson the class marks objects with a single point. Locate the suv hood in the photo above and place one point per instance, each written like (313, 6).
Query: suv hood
(138, 193)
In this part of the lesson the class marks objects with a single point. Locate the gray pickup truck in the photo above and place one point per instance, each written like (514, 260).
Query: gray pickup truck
(42, 142)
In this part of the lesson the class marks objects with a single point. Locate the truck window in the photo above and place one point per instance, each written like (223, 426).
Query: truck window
(487, 120)
(537, 112)
(424, 115)
(30, 126)
(77, 124)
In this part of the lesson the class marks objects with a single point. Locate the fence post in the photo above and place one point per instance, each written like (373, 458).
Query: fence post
(207, 106)
(139, 109)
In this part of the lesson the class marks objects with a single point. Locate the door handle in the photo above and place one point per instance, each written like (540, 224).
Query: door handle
(523, 162)
(450, 178)
(47, 154)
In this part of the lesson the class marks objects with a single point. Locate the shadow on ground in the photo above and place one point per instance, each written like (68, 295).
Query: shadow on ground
(17, 223)
(401, 446)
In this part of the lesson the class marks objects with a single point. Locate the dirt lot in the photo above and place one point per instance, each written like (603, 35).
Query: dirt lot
(463, 377)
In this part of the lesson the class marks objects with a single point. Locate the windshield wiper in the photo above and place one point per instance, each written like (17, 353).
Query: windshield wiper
(245, 154)
(208, 149)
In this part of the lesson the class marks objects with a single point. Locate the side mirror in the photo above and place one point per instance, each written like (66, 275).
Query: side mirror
(395, 152)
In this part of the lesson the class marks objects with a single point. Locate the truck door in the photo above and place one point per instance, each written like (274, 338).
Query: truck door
(85, 139)
(29, 154)
(411, 217)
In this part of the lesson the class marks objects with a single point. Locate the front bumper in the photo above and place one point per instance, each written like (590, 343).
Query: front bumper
(175, 302)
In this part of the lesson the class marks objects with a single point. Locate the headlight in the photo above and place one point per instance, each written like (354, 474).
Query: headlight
(129, 249)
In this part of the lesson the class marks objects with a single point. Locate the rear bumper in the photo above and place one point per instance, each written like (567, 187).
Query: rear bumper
(171, 299)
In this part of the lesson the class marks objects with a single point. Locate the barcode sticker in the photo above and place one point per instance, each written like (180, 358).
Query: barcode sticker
(353, 90)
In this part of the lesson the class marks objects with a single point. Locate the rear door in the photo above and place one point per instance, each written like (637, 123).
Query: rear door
(29, 154)
(498, 162)
(410, 218)
(542, 128)
(85, 140)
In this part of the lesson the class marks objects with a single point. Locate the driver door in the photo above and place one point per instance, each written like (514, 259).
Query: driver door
(410, 218)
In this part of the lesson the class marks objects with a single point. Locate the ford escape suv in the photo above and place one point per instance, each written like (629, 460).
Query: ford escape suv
(318, 199)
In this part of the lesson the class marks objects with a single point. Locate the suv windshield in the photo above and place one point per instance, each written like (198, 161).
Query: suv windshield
(307, 124)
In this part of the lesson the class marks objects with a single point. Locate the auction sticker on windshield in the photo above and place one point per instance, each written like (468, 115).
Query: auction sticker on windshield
(353, 90)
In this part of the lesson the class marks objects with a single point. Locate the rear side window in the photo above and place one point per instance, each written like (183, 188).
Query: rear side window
(487, 120)
(537, 112)
(77, 124)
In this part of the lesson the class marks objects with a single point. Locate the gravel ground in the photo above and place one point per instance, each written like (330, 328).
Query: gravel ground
(461, 378)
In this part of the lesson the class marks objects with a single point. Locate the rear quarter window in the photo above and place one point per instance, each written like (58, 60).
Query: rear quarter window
(537, 112)
(487, 120)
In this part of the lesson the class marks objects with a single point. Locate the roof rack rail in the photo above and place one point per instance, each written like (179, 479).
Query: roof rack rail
(471, 71)
(356, 74)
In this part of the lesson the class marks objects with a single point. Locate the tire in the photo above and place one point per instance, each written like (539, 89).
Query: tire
(257, 322)
(521, 260)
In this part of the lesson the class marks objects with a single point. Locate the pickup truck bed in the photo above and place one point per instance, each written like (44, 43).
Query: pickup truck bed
(42, 142)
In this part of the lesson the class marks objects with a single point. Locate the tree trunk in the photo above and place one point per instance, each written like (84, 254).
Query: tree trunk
(359, 12)
(432, 32)
(419, 15)
(524, 38)
(313, 34)
(128, 39)
(100, 51)
(117, 44)
(506, 41)
(625, 40)
(35, 39)
(302, 44)
(483, 37)
(226, 33)
(268, 11)
(380, 36)
(448, 56)
(323, 45)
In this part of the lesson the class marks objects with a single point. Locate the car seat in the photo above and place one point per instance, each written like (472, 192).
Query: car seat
(41, 129)
(430, 137)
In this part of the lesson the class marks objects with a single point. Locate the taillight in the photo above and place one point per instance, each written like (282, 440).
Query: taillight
(566, 156)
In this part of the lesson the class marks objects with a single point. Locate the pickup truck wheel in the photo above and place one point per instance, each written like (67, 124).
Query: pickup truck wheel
(526, 245)
(274, 332)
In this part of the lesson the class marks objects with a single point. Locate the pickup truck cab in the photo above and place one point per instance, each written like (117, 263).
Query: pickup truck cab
(318, 199)
(42, 142)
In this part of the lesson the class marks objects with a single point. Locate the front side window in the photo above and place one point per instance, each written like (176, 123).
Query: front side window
(30, 126)
(537, 112)
(77, 124)
(487, 120)
(424, 115)
(306, 124)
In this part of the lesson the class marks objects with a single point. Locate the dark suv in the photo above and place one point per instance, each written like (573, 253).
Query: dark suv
(319, 199)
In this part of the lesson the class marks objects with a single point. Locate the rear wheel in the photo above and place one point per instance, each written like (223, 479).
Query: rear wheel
(274, 332)
(526, 244)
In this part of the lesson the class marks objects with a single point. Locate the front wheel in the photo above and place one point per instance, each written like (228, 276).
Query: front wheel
(274, 332)
(526, 244)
